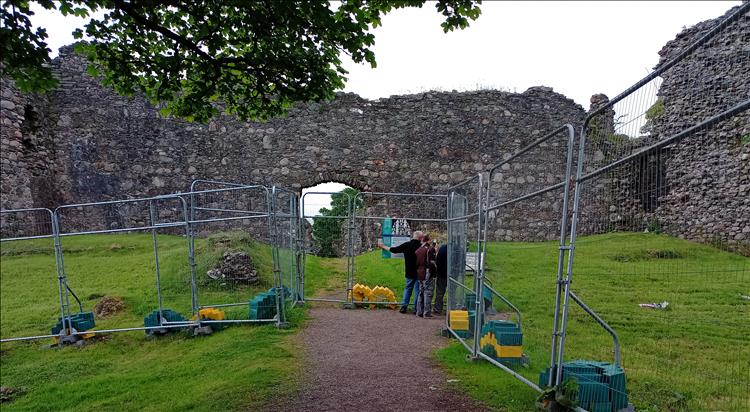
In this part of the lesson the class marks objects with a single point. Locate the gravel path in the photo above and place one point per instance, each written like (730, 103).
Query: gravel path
(374, 360)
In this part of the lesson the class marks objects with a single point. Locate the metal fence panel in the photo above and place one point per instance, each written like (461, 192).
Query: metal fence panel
(336, 287)
(94, 240)
(526, 212)
(464, 220)
(27, 246)
(235, 263)
(671, 286)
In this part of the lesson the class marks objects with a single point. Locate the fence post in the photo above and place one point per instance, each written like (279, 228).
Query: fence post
(478, 277)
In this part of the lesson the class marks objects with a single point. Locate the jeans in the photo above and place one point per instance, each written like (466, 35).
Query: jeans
(410, 284)
(440, 285)
(424, 303)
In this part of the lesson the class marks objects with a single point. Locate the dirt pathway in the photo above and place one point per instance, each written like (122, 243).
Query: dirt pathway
(374, 360)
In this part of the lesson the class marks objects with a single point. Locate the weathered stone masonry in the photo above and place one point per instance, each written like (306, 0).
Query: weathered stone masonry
(699, 188)
(110, 147)
(84, 143)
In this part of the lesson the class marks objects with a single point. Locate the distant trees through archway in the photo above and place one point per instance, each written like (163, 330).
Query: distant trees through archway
(326, 206)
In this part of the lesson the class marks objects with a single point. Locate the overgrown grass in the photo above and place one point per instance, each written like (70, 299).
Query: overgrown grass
(241, 367)
(694, 356)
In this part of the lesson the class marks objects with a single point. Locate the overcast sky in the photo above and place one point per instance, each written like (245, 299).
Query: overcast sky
(577, 48)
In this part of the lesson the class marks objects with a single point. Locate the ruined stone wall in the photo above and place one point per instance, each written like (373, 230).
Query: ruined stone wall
(27, 150)
(698, 188)
(708, 175)
(85, 143)
(111, 147)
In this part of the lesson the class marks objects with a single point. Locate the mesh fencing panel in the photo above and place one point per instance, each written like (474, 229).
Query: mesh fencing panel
(236, 265)
(99, 243)
(527, 212)
(27, 249)
(464, 224)
(664, 183)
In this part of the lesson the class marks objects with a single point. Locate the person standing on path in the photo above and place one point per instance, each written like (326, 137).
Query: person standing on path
(426, 272)
(410, 267)
(441, 279)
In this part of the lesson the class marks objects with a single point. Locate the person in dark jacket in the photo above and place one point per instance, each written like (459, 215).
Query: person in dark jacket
(441, 279)
(426, 272)
(410, 267)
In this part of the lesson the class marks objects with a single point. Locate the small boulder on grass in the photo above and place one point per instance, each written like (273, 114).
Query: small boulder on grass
(7, 394)
(108, 306)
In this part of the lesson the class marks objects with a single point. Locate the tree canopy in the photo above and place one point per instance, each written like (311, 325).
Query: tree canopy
(327, 230)
(197, 58)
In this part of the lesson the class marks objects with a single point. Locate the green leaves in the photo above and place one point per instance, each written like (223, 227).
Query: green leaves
(252, 59)
(327, 230)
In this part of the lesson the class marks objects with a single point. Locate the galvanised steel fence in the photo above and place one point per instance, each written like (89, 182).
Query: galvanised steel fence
(664, 159)
(231, 216)
(86, 267)
(216, 212)
(464, 221)
(420, 211)
(526, 207)
(661, 174)
(339, 283)
(30, 232)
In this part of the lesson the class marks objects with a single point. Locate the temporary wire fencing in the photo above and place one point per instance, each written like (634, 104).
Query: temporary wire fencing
(286, 225)
(423, 212)
(631, 177)
(87, 267)
(234, 220)
(526, 207)
(464, 220)
(660, 174)
(27, 242)
(337, 221)
(189, 232)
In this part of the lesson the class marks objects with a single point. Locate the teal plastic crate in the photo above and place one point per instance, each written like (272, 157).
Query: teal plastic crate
(583, 377)
(81, 322)
(615, 377)
(263, 305)
(600, 407)
(601, 385)
(506, 332)
(592, 392)
(464, 334)
(470, 299)
(544, 378)
(152, 320)
(497, 326)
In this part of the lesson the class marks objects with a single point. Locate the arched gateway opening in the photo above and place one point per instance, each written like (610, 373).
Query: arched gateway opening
(343, 228)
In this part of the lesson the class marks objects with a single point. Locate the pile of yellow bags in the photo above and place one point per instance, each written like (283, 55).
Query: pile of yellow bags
(363, 293)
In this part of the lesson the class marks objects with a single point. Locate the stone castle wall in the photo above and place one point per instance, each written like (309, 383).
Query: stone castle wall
(698, 188)
(109, 147)
(84, 143)
(707, 197)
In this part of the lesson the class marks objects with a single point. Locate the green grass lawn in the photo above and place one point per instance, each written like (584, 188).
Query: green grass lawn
(695, 356)
(241, 367)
